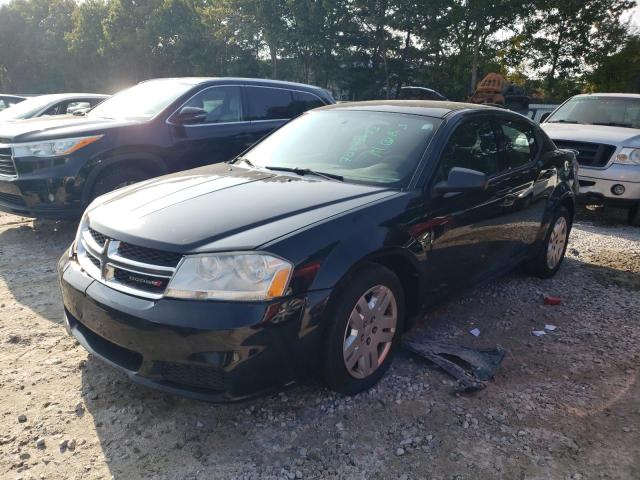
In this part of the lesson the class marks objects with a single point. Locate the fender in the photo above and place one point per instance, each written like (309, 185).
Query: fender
(98, 166)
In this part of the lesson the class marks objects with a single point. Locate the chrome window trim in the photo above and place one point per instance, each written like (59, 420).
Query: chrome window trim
(168, 122)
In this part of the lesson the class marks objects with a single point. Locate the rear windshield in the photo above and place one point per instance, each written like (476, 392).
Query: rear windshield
(367, 147)
(595, 110)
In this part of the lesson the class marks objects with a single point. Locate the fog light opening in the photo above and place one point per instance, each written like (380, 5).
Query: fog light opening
(617, 189)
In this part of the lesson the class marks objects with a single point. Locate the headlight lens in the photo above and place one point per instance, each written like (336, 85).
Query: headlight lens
(84, 224)
(54, 148)
(629, 156)
(231, 276)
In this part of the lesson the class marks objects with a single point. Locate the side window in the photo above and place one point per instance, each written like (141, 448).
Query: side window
(270, 103)
(222, 104)
(305, 101)
(73, 107)
(518, 144)
(473, 145)
(54, 110)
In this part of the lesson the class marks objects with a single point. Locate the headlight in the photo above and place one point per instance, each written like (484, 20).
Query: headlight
(628, 156)
(84, 224)
(231, 276)
(54, 148)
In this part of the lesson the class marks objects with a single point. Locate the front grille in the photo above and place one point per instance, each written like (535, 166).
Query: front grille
(98, 237)
(133, 269)
(138, 280)
(6, 163)
(12, 199)
(94, 260)
(207, 378)
(148, 255)
(589, 154)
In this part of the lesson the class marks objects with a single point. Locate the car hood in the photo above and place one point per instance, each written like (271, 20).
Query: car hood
(51, 128)
(619, 136)
(222, 208)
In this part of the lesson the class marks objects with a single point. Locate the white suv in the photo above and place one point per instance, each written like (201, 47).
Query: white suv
(604, 130)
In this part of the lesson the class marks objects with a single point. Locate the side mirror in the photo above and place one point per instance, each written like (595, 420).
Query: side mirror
(191, 115)
(544, 116)
(462, 180)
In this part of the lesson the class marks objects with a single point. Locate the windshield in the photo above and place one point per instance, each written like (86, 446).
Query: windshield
(595, 110)
(27, 108)
(142, 101)
(360, 146)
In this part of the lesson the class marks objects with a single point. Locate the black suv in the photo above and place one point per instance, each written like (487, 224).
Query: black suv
(54, 167)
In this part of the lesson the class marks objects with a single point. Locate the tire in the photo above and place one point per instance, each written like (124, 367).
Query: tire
(115, 178)
(371, 282)
(548, 261)
(634, 215)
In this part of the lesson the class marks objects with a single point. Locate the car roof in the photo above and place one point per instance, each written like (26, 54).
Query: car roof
(247, 81)
(428, 108)
(64, 96)
(8, 95)
(620, 95)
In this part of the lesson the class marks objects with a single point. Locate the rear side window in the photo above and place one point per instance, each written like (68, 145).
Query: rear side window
(473, 145)
(270, 103)
(222, 104)
(518, 144)
(305, 101)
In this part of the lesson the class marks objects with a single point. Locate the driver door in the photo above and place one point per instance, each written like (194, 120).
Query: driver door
(221, 136)
(460, 229)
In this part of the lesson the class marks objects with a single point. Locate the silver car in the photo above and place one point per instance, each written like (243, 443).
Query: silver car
(604, 130)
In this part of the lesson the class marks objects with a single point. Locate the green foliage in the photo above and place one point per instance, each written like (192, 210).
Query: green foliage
(619, 72)
(359, 49)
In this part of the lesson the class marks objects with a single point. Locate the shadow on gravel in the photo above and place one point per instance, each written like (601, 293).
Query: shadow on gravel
(604, 216)
(29, 253)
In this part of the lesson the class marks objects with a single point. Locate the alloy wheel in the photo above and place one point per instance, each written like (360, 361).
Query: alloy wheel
(370, 330)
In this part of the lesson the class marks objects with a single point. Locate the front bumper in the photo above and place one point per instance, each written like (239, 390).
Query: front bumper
(41, 197)
(214, 351)
(596, 185)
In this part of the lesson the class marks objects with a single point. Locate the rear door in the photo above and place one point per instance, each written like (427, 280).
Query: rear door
(224, 133)
(521, 186)
(268, 108)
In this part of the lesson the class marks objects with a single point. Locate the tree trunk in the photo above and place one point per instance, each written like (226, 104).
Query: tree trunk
(274, 61)
(405, 54)
(474, 62)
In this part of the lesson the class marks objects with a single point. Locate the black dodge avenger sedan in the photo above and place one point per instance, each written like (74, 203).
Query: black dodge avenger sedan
(313, 251)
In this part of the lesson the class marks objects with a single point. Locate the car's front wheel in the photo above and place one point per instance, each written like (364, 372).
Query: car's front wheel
(549, 259)
(367, 317)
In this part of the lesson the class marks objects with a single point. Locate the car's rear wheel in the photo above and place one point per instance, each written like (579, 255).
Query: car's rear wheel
(117, 177)
(549, 259)
(367, 318)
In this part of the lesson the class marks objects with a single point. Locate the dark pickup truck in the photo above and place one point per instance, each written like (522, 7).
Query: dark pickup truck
(53, 167)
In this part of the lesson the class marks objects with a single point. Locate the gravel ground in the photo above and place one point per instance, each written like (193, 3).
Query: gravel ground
(564, 406)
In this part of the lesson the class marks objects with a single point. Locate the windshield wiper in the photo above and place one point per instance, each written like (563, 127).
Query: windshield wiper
(308, 171)
(567, 121)
(614, 124)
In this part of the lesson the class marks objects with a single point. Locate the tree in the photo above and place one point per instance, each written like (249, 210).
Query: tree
(619, 72)
(567, 38)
